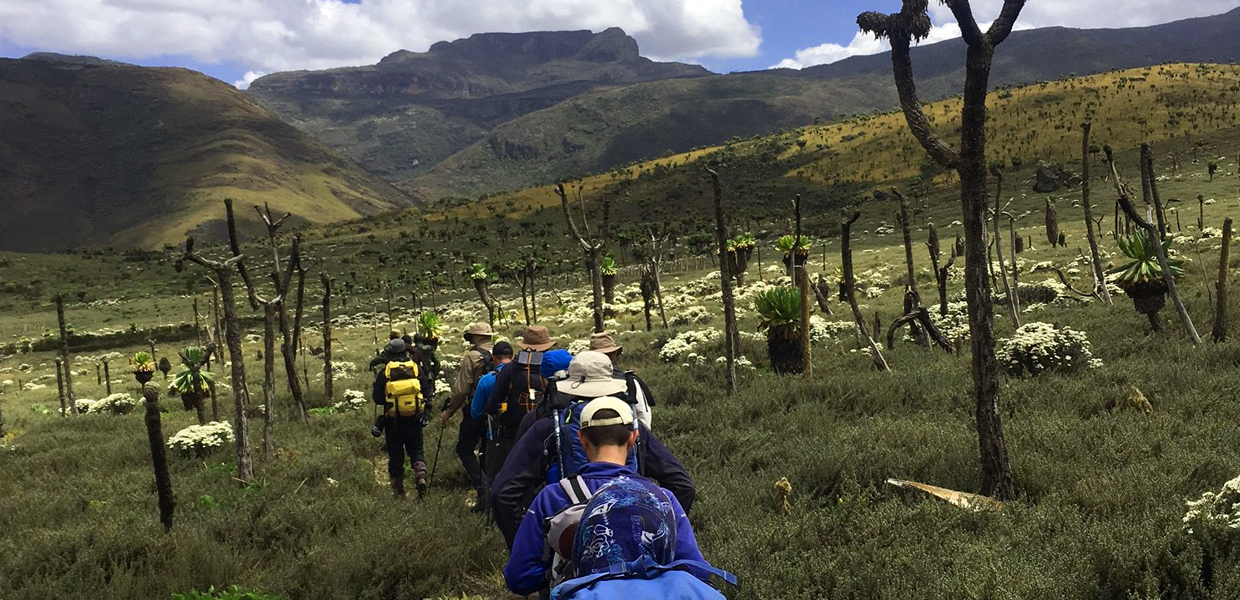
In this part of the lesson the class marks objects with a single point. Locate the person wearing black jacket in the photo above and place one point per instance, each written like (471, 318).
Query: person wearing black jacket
(518, 389)
(403, 431)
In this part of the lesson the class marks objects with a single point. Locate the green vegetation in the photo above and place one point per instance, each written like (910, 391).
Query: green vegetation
(154, 153)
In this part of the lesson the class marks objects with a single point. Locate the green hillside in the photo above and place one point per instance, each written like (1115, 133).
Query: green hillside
(111, 154)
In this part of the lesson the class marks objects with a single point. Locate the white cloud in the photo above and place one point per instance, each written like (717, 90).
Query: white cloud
(1043, 13)
(862, 44)
(278, 35)
(247, 79)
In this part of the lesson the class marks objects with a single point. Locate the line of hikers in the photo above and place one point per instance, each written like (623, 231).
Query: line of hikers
(569, 463)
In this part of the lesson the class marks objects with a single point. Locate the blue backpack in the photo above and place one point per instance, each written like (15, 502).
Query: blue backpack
(643, 578)
(572, 456)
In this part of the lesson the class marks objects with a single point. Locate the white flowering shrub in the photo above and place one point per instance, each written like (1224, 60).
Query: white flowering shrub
(353, 400)
(116, 404)
(576, 347)
(692, 315)
(685, 343)
(954, 326)
(1037, 348)
(1215, 509)
(200, 439)
(822, 331)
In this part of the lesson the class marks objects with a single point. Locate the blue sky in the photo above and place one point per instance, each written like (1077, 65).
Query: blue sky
(237, 40)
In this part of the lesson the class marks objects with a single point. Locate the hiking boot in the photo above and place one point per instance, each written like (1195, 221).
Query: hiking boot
(398, 487)
(419, 470)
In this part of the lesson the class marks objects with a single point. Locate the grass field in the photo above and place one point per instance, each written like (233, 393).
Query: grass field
(1102, 484)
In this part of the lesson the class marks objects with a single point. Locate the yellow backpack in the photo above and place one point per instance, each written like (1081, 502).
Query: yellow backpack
(404, 391)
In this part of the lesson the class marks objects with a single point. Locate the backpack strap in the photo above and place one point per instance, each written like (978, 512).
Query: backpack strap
(576, 489)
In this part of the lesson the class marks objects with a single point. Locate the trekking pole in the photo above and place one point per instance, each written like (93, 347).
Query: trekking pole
(435, 461)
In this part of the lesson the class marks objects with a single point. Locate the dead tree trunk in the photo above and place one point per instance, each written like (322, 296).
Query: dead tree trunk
(591, 249)
(1147, 159)
(850, 292)
(729, 308)
(900, 29)
(940, 273)
(64, 353)
(1220, 287)
(159, 458)
(269, 377)
(327, 336)
(1125, 203)
(107, 377)
(1013, 309)
(802, 279)
(1100, 284)
(60, 387)
(232, 334)
(904, 217)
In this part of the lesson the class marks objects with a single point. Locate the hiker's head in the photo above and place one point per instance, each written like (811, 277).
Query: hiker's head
(626, 519)
(590, 376)
(396, 347)
(536, 339)
(394, 334)
(479, 333)
(408, 340)
(502, 352)
(604, 342)
(607, 431)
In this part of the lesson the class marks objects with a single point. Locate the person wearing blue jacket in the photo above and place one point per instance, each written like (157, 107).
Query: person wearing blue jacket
(607, 435)
(525, 470)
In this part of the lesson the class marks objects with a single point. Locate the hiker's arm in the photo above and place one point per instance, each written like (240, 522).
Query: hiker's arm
(478, 404)
(686, 542)
(662, 466)
(521, 473)
(376, 361)
(378, 393)
(526, 571)
(461, 385)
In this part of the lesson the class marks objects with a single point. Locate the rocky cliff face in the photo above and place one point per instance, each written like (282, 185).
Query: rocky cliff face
(414, 109)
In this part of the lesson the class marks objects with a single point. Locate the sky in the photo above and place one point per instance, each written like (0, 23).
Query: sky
(240, 40)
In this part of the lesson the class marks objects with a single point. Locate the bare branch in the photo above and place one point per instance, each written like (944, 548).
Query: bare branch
(1002, 26)
(964, 17)
(568, 216)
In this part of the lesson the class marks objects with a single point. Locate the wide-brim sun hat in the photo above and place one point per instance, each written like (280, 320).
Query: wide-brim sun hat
(479, 328)
(604, 342)
(590, 376)
(536, 338)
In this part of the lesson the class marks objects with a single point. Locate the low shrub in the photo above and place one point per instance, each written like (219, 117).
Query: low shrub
(1037, 348)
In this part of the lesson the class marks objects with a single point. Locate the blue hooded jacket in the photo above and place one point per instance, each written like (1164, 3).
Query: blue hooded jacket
(526, 570)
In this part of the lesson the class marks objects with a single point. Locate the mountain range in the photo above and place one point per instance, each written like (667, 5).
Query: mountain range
(99, 153)
(500, 112)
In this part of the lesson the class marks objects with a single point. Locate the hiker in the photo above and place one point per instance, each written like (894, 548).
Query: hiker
(550, 451)
(542, 551)
(637, 390)
(398, 388)
(476, 362)
(554, 365)
(381, 357)
(625, 548)
(518, 390)
(480, 432)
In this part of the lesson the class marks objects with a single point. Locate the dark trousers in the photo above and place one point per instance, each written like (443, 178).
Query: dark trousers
(497, 451)
(473, 433)
(404, 435)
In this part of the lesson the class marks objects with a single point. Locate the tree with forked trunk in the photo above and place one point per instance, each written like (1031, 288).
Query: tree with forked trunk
(232, 335)
(901, 29)
(591, 248)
